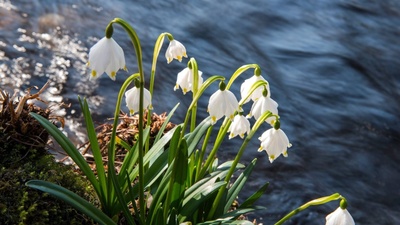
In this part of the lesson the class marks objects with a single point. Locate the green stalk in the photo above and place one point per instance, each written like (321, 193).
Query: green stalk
(236, 161)
(193, 66)
(202, 153)
(218, 141)
(240, 70)
(318, 201)
(203, 87)
(157, 49)
(111, 149)
(136, 43)
(156, 53)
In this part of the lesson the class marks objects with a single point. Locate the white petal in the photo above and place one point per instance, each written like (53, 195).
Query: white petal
(339, 217)
(175, 50)
(106, 56)
(262, 105)
(274, 142)
(132, 97)
(239, 126)
(232, 104)
(216, 106)
(246, 86)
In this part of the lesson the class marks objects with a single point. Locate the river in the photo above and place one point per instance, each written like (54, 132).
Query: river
(333, 67)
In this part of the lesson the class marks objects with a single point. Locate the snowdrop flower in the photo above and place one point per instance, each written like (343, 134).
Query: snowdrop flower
(339, 217)
(106, 56)
(175, 50)
(222, 102)
(185, 80)
(246, 86)
(261, 105)
(240, 125)
(132, 97)
(274, 142)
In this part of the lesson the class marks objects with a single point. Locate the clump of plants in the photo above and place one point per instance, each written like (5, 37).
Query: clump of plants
(178, 179)
(23, 157)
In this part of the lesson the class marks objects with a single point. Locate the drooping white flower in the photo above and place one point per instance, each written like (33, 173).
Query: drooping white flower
(339, 217)
(185, 80)
(175, 50)
(261, 105)
(132, 97)
(246, 86)
(274, 142)
(106, 56)
(240, 125)
(222, 103)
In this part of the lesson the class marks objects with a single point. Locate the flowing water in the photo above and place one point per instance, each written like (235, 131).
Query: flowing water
(333, 66)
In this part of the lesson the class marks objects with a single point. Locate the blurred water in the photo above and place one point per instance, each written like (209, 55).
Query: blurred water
(333, 67)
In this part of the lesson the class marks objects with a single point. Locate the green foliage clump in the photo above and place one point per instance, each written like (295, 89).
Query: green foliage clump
(21, 205)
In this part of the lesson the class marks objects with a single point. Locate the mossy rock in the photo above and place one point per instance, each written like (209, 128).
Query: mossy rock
(20, 204)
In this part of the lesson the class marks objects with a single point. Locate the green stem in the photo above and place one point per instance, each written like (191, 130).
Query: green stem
(236, 161)
(218, 141)
(192, 64)
(242, 69)
(156, 53)
(203, 87)
(318, 201)
(136, 43)
(202, 153)
(111, 151)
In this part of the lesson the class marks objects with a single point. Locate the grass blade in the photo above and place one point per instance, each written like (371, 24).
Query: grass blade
(73, 199)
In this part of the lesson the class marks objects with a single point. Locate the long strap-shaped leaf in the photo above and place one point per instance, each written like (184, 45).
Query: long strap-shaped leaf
(70, 149)
(95, 150)
(73, 199)
(237, 186)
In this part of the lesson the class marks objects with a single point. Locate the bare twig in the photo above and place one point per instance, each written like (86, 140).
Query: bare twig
(27, 97)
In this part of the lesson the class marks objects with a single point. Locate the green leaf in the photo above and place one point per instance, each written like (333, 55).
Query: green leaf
(218, 174)
(73, 199)
(236, 213)
(159, 197)
(161, 131)
(237, 186)
(192, 203)
(231, 217)
(173, 145)
(122, 200)
(70, 149)
(198, 133)
(130, 160)
(178, 176)
(155, 150)
(254, 197)
(95, 149)
(157, 217)
(173, 218)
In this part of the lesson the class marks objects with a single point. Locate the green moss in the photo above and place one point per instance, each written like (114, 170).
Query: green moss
(23, 205)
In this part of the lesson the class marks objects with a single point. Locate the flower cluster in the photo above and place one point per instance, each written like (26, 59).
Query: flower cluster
(107, 56)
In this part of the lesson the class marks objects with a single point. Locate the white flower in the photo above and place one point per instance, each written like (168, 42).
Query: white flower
(106, 56)
(222, 103)
(274, 142)
(240, 125)
(175, 50)
(185, 80)
(132, 99)
(261, 105)
(246, 86)
(339, 217)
